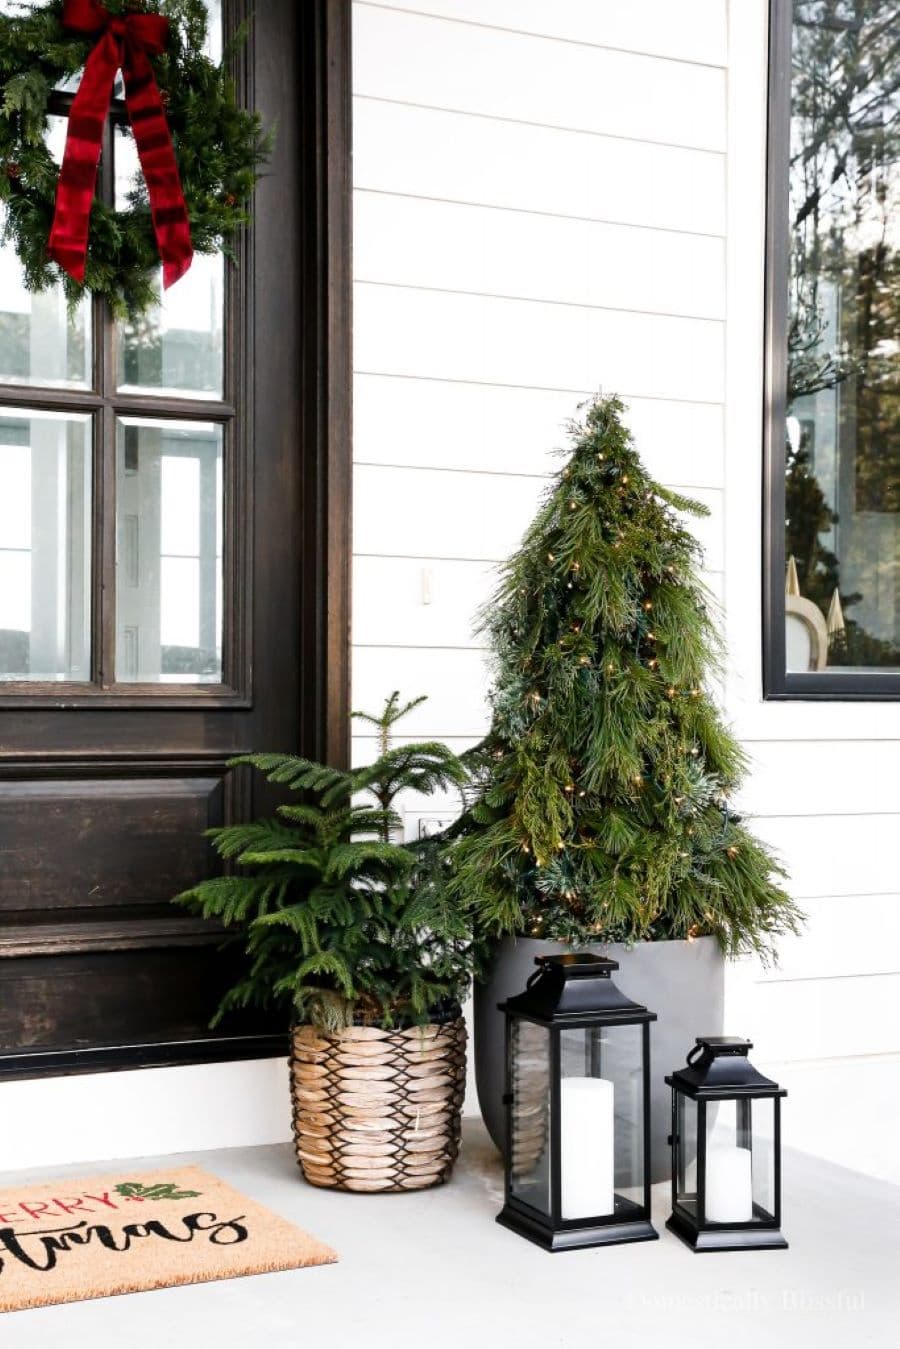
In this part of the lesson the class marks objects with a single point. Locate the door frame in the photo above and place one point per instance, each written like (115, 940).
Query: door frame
(323, 265)
(327, 376)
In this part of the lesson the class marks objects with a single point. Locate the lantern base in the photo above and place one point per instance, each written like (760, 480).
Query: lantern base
(575, 1238)
(727, 1238)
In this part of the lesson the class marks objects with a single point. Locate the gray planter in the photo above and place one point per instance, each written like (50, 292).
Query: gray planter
(683, 982)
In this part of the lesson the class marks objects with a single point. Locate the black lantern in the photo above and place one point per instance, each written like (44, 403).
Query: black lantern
(726, 1150)
(578, 1108)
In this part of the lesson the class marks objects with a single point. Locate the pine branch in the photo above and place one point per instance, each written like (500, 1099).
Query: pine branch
(338, 920)
(600, 803)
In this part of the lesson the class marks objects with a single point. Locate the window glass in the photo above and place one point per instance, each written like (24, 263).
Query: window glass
(45, 546)
(41, 342)
(842, 484)
(176, 347)
(169, 551)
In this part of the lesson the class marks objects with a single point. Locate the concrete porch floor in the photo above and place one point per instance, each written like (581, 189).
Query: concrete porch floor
(434, 1269)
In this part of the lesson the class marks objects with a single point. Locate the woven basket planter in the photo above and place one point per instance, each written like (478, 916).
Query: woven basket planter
(378, 1110)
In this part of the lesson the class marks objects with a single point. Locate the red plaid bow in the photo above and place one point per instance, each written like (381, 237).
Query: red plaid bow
(125, 42)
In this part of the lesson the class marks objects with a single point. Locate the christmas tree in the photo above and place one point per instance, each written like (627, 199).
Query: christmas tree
(601, 808)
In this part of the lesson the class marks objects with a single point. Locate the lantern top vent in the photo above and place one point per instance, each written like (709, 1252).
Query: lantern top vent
(718, 1066)
(575, 986)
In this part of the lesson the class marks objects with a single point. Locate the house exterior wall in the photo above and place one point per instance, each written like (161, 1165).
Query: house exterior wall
(551, 199)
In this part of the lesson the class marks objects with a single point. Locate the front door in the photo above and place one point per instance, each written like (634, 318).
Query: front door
(162, 593)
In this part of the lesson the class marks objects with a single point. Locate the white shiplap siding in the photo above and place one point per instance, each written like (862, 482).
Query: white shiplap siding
(530, 226)
(542, 198)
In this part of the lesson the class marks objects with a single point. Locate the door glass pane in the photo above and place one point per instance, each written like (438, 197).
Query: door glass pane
(213, 44)
(40, 341)
(177, 346)
(529, 1177)
(843, 423)
(169, 551)
(45, 546)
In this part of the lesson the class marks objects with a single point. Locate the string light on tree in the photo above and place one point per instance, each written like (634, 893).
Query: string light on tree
(617, 764)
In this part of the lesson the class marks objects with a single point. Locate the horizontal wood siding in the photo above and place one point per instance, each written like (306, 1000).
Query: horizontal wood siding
(552, 199)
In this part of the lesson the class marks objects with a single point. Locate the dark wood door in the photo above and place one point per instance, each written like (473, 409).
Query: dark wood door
(173, 543)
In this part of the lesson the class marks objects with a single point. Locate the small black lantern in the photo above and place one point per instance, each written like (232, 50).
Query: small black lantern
(578, 1108)
(726, 1150)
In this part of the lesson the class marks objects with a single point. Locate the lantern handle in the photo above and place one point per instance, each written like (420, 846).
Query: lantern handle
(694, 1053)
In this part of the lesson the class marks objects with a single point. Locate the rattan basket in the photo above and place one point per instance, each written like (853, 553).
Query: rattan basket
(378, 1110)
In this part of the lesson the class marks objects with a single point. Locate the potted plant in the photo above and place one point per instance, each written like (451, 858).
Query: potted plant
(601, 814)
(347, 930)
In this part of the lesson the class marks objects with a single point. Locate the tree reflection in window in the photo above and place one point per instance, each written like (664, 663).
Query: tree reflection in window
(843, 430)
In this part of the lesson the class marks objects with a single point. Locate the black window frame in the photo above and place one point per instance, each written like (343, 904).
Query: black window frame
(831, 685)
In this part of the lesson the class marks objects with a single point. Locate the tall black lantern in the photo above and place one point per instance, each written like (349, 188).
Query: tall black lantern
(726, 1150)
(578, 1108)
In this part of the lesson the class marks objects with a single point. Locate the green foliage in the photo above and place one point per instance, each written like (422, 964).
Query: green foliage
(340, 920)
(601, 805)
(219, 147)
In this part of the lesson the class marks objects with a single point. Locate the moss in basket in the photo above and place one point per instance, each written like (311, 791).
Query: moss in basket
(601, 793)
(341, 921)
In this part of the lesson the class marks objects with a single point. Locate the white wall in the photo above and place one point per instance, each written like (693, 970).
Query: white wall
(553, 198)
(146, 1113)
(539, 212)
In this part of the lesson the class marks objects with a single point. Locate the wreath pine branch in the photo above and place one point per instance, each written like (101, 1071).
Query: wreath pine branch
(219, 147)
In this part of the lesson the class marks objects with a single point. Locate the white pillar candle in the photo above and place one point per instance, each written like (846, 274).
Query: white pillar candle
(729, 1184)
(586, 1146)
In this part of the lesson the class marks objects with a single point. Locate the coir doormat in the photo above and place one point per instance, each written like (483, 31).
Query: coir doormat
(125, 1233)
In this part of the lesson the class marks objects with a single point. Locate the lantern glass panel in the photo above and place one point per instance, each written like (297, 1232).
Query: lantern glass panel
(740, 1162)
(601, 1119)
(529, 1118)
(763, 1141)
(686, 1165)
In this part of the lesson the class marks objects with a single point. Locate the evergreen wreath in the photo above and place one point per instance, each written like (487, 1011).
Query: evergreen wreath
(219, 147)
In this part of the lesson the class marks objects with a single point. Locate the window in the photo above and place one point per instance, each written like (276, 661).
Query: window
(833, 358)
